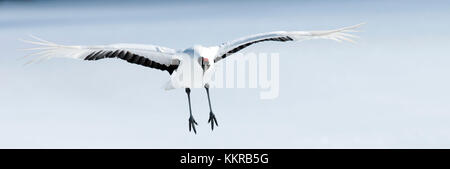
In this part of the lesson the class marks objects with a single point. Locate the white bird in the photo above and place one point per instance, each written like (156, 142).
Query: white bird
(189, 68)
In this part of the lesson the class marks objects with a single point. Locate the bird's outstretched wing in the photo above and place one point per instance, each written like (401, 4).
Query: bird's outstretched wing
(234, 46)
(157, 57)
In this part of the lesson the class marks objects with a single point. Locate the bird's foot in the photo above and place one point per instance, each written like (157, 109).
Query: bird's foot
(192, 124)
(212, 120)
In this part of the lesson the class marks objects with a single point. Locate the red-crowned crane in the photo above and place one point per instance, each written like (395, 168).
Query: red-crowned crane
(188, 68)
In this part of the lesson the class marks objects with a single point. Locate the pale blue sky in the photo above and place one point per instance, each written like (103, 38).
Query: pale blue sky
(389, 91)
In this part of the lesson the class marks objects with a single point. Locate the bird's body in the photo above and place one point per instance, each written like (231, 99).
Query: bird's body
(190, 73)
(188, 68)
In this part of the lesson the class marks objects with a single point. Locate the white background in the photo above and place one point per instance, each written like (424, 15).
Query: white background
(391, 90)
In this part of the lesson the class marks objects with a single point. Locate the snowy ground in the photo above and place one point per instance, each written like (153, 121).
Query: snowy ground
(389, 91)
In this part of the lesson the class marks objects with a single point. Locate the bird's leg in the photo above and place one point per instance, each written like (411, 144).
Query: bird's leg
(212, 117)
(192, 122)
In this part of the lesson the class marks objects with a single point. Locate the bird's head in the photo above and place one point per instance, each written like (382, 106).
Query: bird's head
(204, 63)
(205, 57)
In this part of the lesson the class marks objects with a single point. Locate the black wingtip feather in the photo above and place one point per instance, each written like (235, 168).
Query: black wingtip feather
(132, 58)
(232, 51)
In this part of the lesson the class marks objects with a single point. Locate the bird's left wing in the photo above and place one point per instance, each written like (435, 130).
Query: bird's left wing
(156, 57)
(234, 46)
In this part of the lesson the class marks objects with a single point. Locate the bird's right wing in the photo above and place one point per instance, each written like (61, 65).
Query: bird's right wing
(156, 57)
(234, 46)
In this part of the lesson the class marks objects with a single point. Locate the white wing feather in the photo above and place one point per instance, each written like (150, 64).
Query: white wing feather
(339, 35)
(47, 50)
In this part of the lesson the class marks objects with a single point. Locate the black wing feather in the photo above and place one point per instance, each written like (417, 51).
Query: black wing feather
(132, 58)
(234, 50)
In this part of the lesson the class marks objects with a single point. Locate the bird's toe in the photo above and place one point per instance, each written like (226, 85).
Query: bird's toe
(192, 124)
(212, 120)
